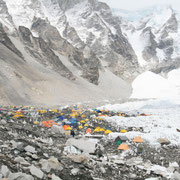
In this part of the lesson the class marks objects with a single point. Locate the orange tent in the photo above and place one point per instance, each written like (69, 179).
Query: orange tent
(88, 131)
(48, 123)
(123, 147)
(65, 127)
(138, 139)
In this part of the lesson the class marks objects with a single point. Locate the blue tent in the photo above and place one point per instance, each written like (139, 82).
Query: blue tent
(61, 117)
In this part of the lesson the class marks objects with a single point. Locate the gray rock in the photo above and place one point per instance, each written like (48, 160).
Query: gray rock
(3, 122)
(54, 177)
(30, 149)
(103, 170)
(5, 171)
(36, 172)
(57, 129)
(20, 176)
(79, 159)
(75, 171)
(83, 144)
(21, 160)
(176, 176)
(163, 141)
(51, 163)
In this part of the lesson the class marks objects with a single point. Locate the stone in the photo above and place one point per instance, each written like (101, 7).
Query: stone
(21, 160)
(36, 172)
(163, 141)
(51, 163)
(34, 156)
(74, 171)
(20, 146)
(3, 122)
(85, 145)
(30, 149)
(174, 165)
(79, 159)
(57, 129)
(20, 176)
(176, 176)
(5, 171)
(54, 177)
(103, 170)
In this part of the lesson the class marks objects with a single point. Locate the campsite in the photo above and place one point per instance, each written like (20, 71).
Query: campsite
(37, 143)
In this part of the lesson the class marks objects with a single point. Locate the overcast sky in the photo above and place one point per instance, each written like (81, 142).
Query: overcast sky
(139, 4)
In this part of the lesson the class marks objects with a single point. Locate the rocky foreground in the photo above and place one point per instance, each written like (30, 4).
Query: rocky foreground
(37, 144)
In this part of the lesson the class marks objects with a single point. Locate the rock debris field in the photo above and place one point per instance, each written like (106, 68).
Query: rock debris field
(80, 143)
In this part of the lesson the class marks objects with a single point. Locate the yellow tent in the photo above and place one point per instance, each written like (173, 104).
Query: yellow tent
(82, 121)
(97, 129)
(86, 125)
(108, 131)
(42, 111)
(18, 115)
(83, 116)
(54, 110)
(36, 122)
(102, 129)
(123, 131)
(80, 127)
(86, 120)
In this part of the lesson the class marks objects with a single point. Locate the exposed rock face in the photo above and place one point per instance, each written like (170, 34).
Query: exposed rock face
(44, 53)
(4, 39)
(149, 51)
(88, 65)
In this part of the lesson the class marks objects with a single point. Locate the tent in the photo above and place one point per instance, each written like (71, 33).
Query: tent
(123, 131)
(88, 131)
(123, 147)
(108, 131)
(138, 139)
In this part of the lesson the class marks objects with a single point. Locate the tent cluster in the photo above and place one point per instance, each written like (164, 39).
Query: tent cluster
(69, 118)
(123, 142)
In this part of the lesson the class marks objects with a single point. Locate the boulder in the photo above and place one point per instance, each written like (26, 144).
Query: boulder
(36, 172)
(82, 144)
(20, 176)
(54, 177)
(5, 171)
(51, 163)
(30, 149)
(57, 129)
(80, 159)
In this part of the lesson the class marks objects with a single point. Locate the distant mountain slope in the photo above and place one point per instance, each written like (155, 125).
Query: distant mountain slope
(154, 36)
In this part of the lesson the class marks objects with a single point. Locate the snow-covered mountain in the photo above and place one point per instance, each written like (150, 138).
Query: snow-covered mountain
(77, 50)
(154, 36)
(67, 47)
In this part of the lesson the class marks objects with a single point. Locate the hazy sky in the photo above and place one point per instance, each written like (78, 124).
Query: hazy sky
(139, 4)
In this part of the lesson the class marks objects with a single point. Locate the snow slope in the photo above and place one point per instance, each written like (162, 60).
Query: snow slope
(151, 85)
(162, 124)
